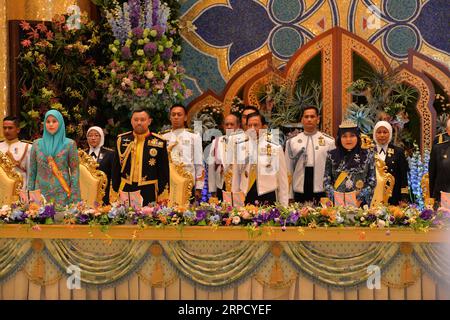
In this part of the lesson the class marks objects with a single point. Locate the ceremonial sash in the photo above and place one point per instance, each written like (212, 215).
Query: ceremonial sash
(340, 179)
(58, 174)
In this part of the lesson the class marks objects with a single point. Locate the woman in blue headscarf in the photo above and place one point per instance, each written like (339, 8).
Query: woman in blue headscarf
(54, 163)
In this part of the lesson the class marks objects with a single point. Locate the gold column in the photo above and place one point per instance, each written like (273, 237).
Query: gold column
(3, 63)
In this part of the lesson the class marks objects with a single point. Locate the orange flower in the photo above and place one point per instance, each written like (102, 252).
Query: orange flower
(397, 212)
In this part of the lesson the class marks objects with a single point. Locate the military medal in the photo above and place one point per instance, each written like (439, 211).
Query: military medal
(390, 152)
(321, 141)
(359, 184)
(153, 152)
(152, 162)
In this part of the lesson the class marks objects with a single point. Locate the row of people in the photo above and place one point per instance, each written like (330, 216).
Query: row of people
(311, 166)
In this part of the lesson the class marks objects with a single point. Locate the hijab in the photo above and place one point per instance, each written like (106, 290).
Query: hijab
(385, 124)
(100, 132)
(52, 144)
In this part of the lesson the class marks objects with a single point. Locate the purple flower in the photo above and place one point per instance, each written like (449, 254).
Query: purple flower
(150, 49)
(371, 217)
(426, 214)
(159, 30)
(135, 12)
(138, 32)
(200, 215)
(48, 212)
(274, 214)
(167, 54)
(293, 218)
(126, 53)
(155, 9)
(83, 218)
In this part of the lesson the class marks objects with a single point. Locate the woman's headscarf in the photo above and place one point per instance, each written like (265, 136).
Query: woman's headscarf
(385, 124)
(100, 132)
(52, 144)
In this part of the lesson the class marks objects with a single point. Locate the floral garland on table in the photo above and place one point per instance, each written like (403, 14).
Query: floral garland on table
(221, 214)
(143, 72)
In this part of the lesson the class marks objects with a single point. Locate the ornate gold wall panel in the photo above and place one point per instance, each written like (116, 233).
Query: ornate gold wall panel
(254, 86)
(322, 44)
(431, 68)
(424, 105)
(208, 98)
(3, 62)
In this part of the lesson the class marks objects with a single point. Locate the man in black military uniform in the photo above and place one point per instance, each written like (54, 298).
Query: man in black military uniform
(445, 136)
(141, 161)
(439, 169)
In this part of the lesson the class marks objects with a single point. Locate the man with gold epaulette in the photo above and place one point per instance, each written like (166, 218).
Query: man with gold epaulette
(186, 148)
(17, 151)
(141, 161)
(445, 136)
(306, 154)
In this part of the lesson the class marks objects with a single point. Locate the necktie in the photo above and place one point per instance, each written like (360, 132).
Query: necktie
(381, 151)
(93, 155)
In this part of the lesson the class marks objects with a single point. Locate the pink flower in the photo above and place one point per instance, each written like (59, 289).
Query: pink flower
(148, 210)
(25, 25)
(26, 43)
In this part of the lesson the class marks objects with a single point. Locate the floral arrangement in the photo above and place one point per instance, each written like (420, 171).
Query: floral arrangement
(418, 167)
(211, 116)
(381, 96)
(237, 106)
(30, 213)
(58, 71)
(143, 72)
(221, 214)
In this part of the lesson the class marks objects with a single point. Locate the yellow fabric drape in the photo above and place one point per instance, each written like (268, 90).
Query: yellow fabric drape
(339, 270)
(12, 252)
(98, 269)
(217, 269)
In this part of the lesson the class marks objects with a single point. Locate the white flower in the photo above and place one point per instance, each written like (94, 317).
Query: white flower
(160, 91)
(236, 220)
(381, 223)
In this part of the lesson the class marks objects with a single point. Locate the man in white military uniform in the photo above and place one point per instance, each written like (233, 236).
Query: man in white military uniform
(306, 155)
(259, 170)
(186, 147)
(221, 157)
(18, 151)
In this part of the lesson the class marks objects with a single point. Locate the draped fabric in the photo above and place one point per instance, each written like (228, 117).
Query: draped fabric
(339, 270)
(217, 269)
(98, 269)
(435, 259)
(13, 253)
(220, 264)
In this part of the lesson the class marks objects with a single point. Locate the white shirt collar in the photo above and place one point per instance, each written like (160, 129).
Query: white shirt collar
(96, 151)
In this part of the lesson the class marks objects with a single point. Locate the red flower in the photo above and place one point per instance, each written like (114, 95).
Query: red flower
(25, 25)
(26, 43)
(49, 35)
(41, 27)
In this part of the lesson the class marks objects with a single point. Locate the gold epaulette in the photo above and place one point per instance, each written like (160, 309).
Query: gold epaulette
(122, 134)
(165, 131)
(109, 149)
(444, 141)
(326, 135)
(159, 136)
(26, 141)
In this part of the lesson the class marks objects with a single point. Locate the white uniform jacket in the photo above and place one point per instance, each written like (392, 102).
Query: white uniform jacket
(307, 150)
(270, 167)
(19, 151)
(186, 148)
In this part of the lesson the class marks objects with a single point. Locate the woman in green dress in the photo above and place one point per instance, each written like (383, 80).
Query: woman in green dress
(54, 163)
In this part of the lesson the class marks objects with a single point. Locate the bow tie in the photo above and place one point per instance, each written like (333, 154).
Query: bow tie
(93, 155)
(382, 151)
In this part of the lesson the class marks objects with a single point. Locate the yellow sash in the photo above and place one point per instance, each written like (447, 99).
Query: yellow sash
(59, 175)
(340, 179)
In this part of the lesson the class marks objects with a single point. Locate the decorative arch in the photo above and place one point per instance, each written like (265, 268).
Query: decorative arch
(431, 68)
(424, 105)
(352, 43)
(336, 47)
